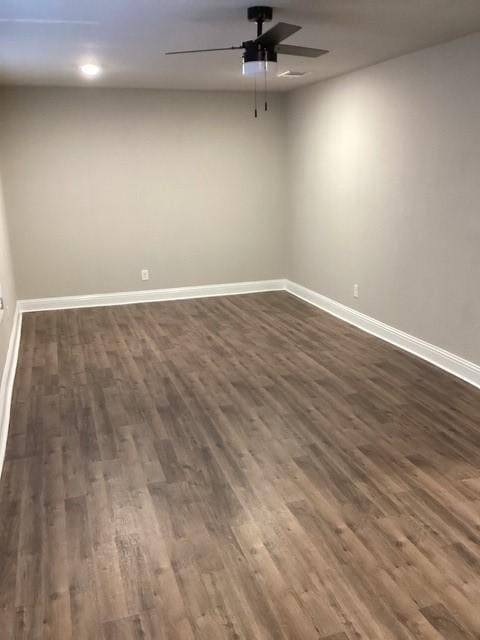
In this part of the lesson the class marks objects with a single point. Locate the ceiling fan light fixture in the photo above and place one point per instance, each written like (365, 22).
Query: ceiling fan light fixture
(257, 67)
(258, 60)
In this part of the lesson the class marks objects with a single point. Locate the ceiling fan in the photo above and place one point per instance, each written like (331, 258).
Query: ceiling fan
(260, 55)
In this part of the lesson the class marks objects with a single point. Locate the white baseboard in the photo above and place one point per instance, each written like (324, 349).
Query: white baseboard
(464, 369)
(152, 295)
(7, 379)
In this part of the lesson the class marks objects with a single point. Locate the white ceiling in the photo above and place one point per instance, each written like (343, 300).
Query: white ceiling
(43, 42)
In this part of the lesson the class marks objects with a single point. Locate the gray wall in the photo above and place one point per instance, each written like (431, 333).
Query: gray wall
(381, 188)
(6, 283)
(385, 175)
(101, 183)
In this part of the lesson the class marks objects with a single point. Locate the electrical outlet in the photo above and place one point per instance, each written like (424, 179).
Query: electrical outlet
(145, 274)
(355, 290)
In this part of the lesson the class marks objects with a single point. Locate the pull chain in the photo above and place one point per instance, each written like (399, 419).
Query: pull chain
(255, 94)
(265, 88)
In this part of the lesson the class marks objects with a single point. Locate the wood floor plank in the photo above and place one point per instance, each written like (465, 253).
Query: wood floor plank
(243, 467)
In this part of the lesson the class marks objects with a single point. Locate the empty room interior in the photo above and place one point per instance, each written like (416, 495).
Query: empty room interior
(240, 320)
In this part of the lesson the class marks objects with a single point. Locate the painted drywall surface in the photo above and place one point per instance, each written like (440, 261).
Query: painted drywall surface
(385, 172)
(103, 183)
(7, 285)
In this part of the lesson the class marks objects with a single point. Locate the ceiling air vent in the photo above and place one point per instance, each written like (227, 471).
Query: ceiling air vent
(293, 74)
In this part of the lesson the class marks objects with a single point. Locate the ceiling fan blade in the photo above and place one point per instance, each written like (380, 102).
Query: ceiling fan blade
(306, 52)
(173, 53)
(276, 34)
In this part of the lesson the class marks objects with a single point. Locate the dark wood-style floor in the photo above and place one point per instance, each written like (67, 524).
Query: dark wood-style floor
(233, 468)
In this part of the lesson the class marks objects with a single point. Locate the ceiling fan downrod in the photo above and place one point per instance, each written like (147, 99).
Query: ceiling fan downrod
(259, 15)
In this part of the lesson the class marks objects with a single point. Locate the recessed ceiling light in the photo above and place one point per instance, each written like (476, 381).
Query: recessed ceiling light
(293, 74)
(90, 70)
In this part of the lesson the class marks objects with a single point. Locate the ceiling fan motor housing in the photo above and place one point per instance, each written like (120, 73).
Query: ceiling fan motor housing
(254, 53)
